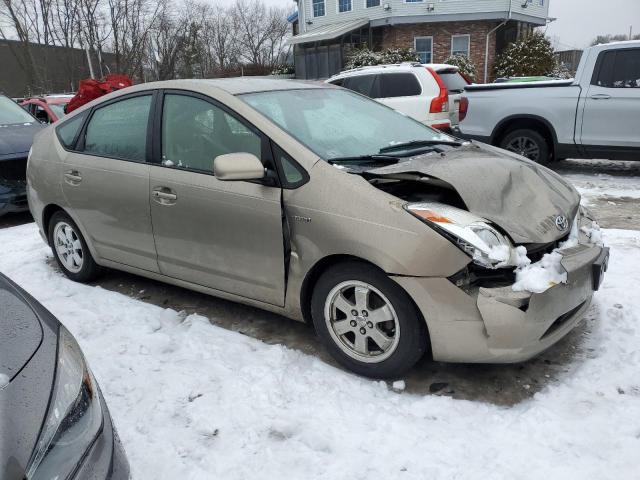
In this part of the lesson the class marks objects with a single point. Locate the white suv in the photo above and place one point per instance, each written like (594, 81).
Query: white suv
(429, 93)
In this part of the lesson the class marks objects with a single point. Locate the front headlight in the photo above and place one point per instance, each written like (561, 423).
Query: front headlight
(74, 416)
(472, 234)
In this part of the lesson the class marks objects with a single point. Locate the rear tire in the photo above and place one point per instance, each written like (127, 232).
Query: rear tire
(528, 143)
(367, 322)
(70, 249)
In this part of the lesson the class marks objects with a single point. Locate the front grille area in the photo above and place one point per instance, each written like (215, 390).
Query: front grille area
(13, 169)
(535, 251)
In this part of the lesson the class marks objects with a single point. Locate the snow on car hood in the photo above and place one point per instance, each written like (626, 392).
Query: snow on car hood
(520, 196)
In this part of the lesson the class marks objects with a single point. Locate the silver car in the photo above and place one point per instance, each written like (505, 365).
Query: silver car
(321, 205)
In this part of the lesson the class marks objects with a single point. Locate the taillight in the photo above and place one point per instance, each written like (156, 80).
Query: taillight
(463, 109)
(441, 102)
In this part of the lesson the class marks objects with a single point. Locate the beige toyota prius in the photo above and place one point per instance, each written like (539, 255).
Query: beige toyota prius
(324, 206)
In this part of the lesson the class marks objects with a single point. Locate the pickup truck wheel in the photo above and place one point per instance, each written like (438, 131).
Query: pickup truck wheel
(527, 143)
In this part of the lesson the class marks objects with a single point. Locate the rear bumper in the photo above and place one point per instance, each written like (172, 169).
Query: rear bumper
(498, 325)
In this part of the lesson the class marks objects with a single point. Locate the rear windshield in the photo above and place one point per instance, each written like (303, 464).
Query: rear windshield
(11, 113)
(453, 80)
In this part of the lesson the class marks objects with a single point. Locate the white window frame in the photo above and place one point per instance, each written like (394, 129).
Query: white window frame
(374, 6)
(313, 13)
(468, 42)
(346, 11)
(415, 43)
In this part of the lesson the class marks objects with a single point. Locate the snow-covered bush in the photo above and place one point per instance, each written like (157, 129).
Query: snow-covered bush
(531, 56)
(363, 57)
(561, 71)
(283, 70)
(464, 63)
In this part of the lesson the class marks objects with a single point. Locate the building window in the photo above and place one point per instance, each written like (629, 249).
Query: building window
(344, 6)
(424, 48)
(413, 1)
(371, 3)
(460, 45)
(318, 8)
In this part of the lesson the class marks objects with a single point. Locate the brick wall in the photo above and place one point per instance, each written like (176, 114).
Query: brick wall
(403, 35)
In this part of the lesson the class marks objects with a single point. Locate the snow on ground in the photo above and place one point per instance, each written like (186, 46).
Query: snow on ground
(194, 401)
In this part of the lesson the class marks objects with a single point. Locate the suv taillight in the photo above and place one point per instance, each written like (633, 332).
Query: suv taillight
(441, 102)
(464, 108)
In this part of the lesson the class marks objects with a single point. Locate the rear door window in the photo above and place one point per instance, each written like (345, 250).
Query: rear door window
(119, 130)
(399, 85)
(68, 130)
(364, 84)
(619, 69)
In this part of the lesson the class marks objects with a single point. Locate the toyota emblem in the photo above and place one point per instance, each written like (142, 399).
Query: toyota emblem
(562, 223)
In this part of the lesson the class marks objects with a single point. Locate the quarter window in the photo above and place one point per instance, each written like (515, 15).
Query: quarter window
(344, 6)
(619, 69)
(460, 45)
(119, 130)
(68, 131)
(424, 48)
(363, 84)
(195, 132)
(318, 8)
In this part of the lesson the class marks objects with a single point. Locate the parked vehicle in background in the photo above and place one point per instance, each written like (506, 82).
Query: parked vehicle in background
(320, 204)
(17, 128)
(55, 422)
(48, 108)
(429, 93)
(594, 115)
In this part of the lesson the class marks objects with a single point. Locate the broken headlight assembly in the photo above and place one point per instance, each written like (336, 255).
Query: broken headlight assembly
(74, 416)
(472, 234)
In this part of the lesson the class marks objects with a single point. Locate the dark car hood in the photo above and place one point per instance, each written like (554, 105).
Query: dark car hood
(17, 138)
(20, 331)
(516, 194)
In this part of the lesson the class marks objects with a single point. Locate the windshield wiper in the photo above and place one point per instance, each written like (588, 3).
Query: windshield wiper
(364, 159)
(418, 143)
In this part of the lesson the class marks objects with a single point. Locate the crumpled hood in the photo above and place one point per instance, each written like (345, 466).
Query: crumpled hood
(520, 196)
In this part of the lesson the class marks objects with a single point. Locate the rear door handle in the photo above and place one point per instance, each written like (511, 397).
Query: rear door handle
(72, 177)
(164, 196)
(601, 96)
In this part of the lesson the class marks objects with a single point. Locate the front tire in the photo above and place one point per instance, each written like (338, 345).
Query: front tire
(528, 143)
(367, 322)
(70, 249)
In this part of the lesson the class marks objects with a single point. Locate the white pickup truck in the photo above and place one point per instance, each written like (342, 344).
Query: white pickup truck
(595, 115)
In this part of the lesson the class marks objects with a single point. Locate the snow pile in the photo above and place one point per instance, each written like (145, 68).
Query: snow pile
(501, 254)
(4, 380)
(194, 401)
(593, 233)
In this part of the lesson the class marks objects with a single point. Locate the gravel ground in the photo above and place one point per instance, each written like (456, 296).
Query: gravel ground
(612, 191)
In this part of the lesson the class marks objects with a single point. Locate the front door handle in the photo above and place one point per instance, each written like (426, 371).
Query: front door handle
(72, 177)
(601, 96)
(164, 196)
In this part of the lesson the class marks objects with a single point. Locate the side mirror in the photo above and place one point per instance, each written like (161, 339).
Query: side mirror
(238, 166)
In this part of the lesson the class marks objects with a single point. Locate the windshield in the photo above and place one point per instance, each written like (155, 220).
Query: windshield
(12, 113)
(336, 123)
(58, 109)
(453, 80)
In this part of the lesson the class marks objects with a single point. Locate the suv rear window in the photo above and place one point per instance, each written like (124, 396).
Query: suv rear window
(399, 85)
(362, 84)
(453, 80)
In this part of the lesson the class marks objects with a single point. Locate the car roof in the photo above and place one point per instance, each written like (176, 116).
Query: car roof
(235, 85)
(404, 66)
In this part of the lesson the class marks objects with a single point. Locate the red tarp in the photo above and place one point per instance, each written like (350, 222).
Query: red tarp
(91, 89)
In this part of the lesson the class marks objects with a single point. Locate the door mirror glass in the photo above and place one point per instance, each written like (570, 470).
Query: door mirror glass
(238, 166)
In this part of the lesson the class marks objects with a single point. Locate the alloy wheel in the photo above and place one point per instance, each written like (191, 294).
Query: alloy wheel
(362, 321)
(526, 147)
(68, 247)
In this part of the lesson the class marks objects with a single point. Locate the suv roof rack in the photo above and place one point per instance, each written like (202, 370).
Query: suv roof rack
(385, 65)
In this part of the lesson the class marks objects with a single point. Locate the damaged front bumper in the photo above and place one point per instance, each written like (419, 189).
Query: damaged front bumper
(500, 325)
